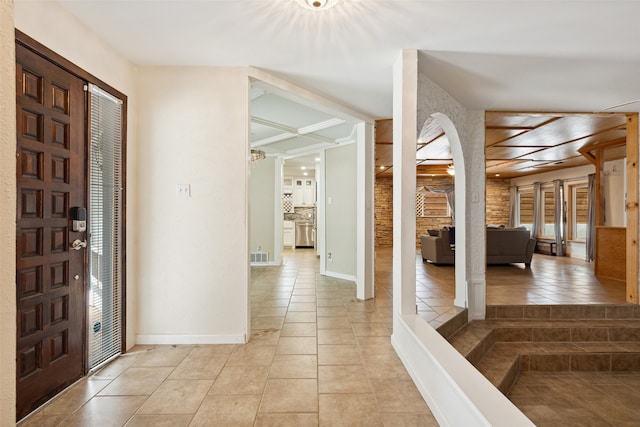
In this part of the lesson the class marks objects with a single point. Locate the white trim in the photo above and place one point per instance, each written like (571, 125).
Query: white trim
(279, 215)
(342, 276)
(267, 264)
(190, 339)
(321, 209)
(365, 232)
(320, 126)
(456, 392)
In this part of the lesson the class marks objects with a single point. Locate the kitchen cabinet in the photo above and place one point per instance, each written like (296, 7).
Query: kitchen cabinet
(287, 195)
(288, 234)
(304, 191)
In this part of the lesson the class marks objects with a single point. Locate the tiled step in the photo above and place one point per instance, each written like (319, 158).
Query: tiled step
(453, 325)
(545, 338)
(572, 312)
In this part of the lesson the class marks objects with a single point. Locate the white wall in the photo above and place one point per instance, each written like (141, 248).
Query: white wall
(262, 206)
(340, 211)
(193, 251)
(615, 189)
(43, 21)
(7, 217)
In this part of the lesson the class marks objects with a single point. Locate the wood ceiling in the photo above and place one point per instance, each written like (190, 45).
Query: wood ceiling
(516, 143)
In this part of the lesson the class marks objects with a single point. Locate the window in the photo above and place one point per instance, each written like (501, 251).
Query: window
(432, 205)
(525, 209)
(579, 194)
(548, 210)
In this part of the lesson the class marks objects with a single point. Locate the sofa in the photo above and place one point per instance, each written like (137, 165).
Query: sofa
(504, 246)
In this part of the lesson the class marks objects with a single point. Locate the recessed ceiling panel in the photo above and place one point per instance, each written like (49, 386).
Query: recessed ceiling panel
(337, 132)
(279, 110)
(260, 132)
(295, 144)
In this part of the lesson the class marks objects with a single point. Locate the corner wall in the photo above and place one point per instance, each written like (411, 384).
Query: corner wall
(262, 196)
(42, 21)
(340, 214)
(7, 216)
(193, 250)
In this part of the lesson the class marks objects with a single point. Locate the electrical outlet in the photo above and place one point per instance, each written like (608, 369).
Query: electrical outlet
(329, 257)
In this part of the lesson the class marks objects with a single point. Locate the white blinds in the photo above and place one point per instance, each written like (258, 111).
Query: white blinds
(105, 225)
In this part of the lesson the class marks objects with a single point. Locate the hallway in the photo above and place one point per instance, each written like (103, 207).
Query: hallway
(317, 356)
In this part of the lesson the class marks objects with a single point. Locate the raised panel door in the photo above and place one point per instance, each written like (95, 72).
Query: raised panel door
(51, 178)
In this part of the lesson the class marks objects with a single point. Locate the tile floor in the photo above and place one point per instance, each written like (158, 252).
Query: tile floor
(317, 356)
(550, 280)
(579, 398)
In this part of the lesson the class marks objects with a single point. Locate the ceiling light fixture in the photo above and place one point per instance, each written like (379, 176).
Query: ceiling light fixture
(317, 4)
(257, 155)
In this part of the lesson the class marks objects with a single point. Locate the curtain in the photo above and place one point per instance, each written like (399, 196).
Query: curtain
(449, 192)
(536, 210)
(558, 218)
(513, 206)
(591, 218)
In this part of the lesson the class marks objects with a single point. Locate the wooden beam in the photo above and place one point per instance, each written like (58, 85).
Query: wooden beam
(632, 208)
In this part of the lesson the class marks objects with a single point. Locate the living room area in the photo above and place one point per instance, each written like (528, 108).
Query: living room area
(540, 170)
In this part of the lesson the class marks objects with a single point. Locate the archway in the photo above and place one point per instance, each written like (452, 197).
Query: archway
(438, 123)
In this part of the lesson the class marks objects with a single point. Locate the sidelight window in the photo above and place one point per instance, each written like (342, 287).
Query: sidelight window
(105, 226)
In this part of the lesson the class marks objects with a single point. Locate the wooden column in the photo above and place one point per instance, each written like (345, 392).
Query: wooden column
(632, 209)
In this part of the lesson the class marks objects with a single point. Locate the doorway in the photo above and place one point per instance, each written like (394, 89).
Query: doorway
(69, 224)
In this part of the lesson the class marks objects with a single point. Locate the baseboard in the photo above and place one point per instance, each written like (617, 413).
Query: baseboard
(190, 339)
(340, 276)
(265, 264)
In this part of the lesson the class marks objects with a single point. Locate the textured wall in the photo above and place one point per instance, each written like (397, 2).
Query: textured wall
(384, 211)
(469, 125)
(7, 216)
(42, 21)
(497, 200)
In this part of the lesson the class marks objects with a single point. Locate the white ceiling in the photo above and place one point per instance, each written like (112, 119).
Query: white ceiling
(494, 55)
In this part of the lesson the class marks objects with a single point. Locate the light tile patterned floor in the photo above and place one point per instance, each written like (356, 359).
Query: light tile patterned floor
(317, 356)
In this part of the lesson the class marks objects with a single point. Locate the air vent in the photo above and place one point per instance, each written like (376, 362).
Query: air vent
(259, 258)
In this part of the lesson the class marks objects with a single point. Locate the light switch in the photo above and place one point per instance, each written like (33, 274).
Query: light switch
(328, 200)
(183, 190)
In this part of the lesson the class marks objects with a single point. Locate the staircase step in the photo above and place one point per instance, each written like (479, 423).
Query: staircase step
(453, 325)
(573, 312)
(501, 366)
(547, 338)
(473, 341)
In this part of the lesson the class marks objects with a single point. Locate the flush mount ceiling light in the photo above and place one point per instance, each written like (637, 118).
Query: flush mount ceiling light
(317, 4)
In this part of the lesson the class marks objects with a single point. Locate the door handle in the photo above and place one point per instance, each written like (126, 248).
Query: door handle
(78, 244)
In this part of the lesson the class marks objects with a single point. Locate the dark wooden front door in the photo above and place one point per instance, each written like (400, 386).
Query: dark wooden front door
(50, 275)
